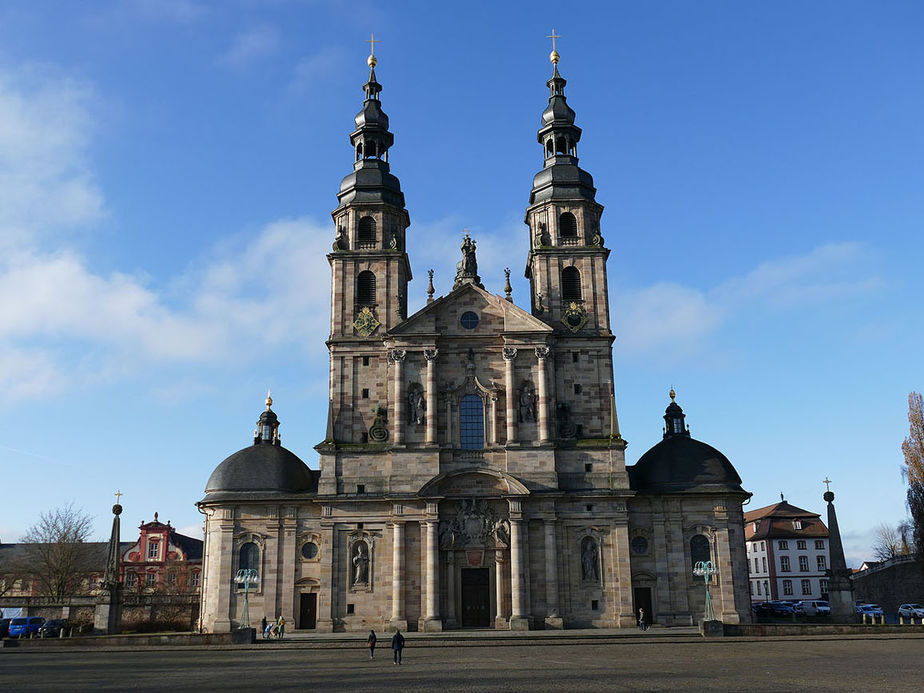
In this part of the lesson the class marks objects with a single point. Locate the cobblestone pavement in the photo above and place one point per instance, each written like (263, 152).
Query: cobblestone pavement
(729, 664)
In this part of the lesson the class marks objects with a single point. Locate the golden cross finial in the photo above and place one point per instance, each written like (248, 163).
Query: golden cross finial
(269, 399)
(371, 61)
(553, 56)
(827, 483)
(118, 495)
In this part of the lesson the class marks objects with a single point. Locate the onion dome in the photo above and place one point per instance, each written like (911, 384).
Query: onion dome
(560, 178)
(371, 179)
(680, 463)
(264, 468)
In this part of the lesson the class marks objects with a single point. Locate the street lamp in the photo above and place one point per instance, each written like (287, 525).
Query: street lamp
(706, 570)
(246, 577)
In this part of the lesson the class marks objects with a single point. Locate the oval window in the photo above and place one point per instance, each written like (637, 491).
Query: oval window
(640, 545)
(309, 550)
(469, 320)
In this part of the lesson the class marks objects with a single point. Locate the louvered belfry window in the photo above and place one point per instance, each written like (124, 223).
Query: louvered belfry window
(567, 225)
(366, 230)
(571, 284)
(365, 288)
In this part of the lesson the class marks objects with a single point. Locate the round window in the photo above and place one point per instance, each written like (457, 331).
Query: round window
(639, 545)
(469, 320)
(309, 550)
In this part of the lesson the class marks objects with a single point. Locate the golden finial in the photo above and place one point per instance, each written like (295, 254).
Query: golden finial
(371, 61)
(554, 56)
(269, 400)
(672, 393)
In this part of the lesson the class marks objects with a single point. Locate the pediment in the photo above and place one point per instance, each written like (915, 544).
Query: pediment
(496, 315)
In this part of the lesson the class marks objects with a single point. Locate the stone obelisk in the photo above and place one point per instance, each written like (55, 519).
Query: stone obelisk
(840, 588)
(108, 616)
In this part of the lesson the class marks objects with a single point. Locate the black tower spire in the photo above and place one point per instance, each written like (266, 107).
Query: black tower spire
(674, 419)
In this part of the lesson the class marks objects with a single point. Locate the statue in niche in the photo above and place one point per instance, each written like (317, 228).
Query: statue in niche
(417, 405)
(340, 239)
(566, 426)
(590, 562)
(360, 563)
(542, 235)
(527, 404)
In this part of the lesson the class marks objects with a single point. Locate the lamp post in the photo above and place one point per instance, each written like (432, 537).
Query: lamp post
(246, 577)
(706, 570)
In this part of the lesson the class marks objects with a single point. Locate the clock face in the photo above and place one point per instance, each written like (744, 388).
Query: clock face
(574, 317)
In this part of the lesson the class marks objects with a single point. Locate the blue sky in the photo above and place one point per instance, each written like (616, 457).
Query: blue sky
(167, 169)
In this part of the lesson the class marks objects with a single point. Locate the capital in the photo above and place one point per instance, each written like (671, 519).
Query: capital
(509, 353)
(397, 355)
(542, 352)
(431, 354)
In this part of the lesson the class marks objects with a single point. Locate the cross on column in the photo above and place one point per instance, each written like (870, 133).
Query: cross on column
(827, 483)
(372, 43)
(553, 36)
(118, 495)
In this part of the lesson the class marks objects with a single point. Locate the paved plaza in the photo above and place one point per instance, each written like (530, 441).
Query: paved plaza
(645, 664)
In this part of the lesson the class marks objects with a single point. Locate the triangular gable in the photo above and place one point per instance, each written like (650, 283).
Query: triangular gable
(496, 315)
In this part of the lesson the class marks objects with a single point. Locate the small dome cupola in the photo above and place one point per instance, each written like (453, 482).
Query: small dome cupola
(674, 419)
(267, 432)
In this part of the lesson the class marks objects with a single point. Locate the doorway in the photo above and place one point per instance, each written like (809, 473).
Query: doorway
(308, 611)
(476, 598)
(642, 598)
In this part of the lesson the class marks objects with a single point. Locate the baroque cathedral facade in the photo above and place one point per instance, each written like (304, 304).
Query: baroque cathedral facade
(473, 472)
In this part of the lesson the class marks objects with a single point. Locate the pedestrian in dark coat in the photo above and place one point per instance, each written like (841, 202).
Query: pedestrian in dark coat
(370, 641)
(397, 644)
(263, 627)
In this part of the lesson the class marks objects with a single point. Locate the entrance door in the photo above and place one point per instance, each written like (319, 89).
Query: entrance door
(642, 598)
(308, 611)
(476, 598)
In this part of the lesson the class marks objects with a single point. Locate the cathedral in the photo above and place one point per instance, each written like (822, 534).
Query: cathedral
(473, 472)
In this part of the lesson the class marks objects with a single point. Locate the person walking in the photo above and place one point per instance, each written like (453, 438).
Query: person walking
(281, 627)
(397, 644)
(641, 620)
(263, 627)
(370, 641)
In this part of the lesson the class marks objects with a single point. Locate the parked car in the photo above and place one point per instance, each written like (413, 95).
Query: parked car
(813, 607)
(4, 627)
(870, 610)
(781, 608)
(911, 611)
(53, 628)
(25, 626)
(762, 609)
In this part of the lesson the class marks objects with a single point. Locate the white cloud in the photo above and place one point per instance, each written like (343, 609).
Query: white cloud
(45, 180)
(671, 314)
(315, 69)
(252, 45)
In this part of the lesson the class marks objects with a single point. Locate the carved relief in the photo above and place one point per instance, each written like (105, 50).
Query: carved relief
(474, 525)
(378, 432)
(574, 317)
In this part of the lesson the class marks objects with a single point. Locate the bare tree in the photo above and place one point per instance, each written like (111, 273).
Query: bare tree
(56, 551)
(887, 543)
(913, 449)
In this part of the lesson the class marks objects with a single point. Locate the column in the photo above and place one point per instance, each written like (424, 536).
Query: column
(450, 590)
(542, 354)
(552, 619)
(430, 355)
(327, 611)
(518, 616)
(397, 577)
(499, 620)
(223, 577)
(432, 621)
(397, 357)
(510, 355)
(288, 549)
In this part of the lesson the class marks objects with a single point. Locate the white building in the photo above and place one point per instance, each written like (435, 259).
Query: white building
(787, 550)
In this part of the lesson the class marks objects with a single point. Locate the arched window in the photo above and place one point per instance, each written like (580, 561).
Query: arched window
(571, 284)
(549, 147)
(249, 556)
(699, 549)
(359, 151)
(365, 288)
(366, 230)
(561, 146)
(567, 225)
(471, 424)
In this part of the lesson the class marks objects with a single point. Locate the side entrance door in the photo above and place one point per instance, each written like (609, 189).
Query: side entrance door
(308, 611)
(642, 598)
